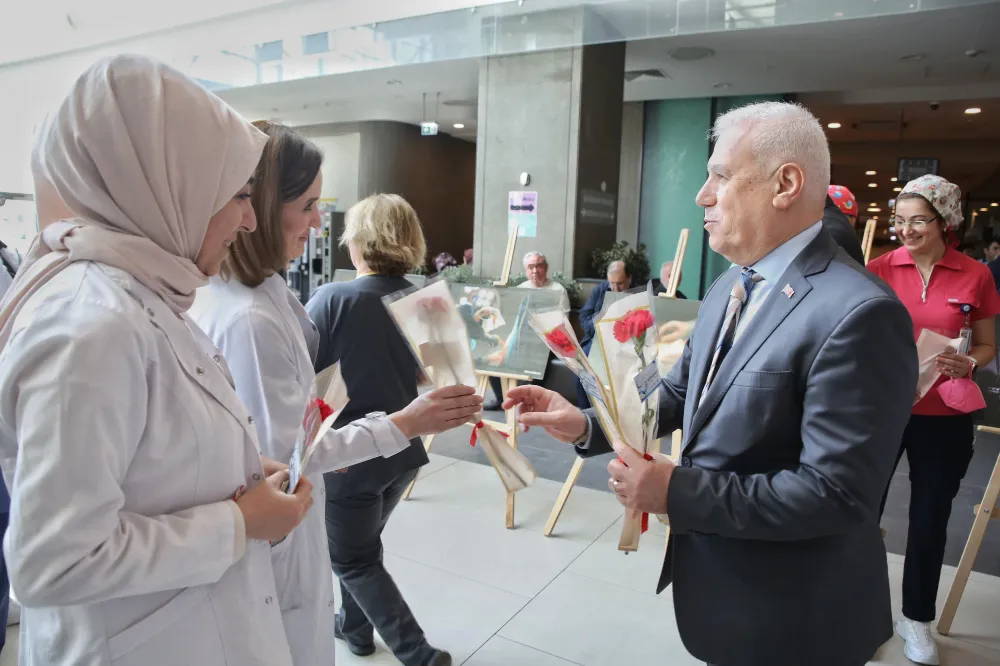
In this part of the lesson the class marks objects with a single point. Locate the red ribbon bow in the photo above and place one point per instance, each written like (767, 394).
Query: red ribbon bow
(475, 433)
(645, 516)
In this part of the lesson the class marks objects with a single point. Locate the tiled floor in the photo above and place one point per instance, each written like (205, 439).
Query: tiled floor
(498, 597)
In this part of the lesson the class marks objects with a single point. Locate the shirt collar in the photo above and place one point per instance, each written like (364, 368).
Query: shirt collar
(952, 259)
(772, 266)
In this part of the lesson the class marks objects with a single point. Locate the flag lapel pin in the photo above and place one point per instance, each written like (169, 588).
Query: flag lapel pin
(788, 291)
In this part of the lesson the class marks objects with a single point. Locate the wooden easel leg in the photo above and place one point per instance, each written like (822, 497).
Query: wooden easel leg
(983, 514)
(507, 385)
(481, 387)
(427, 447)
(567, 487)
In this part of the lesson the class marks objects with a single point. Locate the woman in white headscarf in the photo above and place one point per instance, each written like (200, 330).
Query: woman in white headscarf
(141, 517)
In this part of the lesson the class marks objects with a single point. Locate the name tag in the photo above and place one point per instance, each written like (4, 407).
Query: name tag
(590, 386)
(647, 381)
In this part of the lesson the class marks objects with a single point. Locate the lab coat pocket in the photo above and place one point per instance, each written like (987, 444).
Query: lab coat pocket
(186, 622)
(287, 572)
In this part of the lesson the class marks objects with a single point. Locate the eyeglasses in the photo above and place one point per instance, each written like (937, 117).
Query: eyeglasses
(918, 223)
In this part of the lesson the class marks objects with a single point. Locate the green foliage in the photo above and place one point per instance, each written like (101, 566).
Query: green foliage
(635, 260)
(461, 274)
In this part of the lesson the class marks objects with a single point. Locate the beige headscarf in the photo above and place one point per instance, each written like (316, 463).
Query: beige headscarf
(143, 157)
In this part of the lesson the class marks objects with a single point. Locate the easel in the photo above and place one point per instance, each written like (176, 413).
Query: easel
(868, 239)
(676, 437)
(507, 382)
(984, 513)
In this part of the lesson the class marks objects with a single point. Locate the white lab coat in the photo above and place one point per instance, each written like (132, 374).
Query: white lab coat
(269, 343)
(123, 442)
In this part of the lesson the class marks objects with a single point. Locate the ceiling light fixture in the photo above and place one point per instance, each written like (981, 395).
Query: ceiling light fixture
(971, 111)
(458, 126)
(995, 204)
(869, 173)
(691, 53)
(872, 184)
(897, 189)
(983, 209)
(834, 125)
(912, 57)
(894, 179)
(722, 85)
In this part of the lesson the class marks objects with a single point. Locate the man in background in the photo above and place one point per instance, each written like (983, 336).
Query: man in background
(667, 270)
(619, 280)
(839, 217)
(536, 267)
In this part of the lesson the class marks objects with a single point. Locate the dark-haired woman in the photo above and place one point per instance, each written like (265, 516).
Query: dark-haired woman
(270, 345)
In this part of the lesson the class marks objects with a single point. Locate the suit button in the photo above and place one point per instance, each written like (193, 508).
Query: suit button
(685, 462)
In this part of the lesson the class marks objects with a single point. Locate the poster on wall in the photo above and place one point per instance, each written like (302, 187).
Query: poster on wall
(522, 213)
(497, 325)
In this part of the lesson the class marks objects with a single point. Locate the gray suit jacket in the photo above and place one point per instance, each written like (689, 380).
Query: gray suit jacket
(775, 553)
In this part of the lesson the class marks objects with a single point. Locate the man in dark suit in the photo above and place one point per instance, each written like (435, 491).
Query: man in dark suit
(793, 393)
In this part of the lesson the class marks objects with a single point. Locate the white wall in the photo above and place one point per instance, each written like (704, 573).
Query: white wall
(341, 159)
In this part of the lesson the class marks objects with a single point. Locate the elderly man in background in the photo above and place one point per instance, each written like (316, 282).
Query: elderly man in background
(536, 267)
(667, 270)
(793, 394)
(619, 280)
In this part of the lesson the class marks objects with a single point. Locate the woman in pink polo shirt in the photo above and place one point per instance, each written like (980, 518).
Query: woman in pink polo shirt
(944, 291)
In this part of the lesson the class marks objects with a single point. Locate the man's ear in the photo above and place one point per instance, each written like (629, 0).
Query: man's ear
(789, 182)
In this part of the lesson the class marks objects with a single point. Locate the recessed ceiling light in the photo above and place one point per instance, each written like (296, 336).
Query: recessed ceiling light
(458, 126)
(894, 179)
(869, 173)
(971, 111)
(912, 57)
(393, 82)
(722, 85)
(995, 204)
(872, 184)
(984, 209)
(834, 125)
(897, 189)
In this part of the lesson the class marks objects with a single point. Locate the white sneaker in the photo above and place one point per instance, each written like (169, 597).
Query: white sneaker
(920, 645)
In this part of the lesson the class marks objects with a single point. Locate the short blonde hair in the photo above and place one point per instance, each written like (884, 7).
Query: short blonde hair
(386, 231)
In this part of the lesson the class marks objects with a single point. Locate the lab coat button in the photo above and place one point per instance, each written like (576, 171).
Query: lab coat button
(268, 600)
(256, 477)
(250, 420)
(150, 312)
(199, 371)
(217, 358)
(330, 604)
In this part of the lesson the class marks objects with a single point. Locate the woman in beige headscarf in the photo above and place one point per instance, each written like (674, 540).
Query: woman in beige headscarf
(140, 515)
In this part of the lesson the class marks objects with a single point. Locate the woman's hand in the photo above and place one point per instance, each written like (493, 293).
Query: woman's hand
(446, 408)
(270, 514)
(272, 467)
(953, 365)
(546, 409)
(673, 331)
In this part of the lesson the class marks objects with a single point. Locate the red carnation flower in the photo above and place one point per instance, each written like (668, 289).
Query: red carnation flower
(324, 409)
(633, 325)
(560, 339)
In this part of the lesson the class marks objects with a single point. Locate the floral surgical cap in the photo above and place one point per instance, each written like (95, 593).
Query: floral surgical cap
(944, 197)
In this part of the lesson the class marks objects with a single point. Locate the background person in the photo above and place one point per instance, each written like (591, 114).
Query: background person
(269, 342)
(140, 514)
(791, 395)
(934, 280)
(385, 241)
(536, 267)
(839, 218)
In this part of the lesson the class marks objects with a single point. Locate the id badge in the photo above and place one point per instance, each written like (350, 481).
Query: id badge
(966, 332)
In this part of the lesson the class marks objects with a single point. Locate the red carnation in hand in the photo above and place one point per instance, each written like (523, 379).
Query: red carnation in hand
(560, 339)
(633, 325)
(324, 409)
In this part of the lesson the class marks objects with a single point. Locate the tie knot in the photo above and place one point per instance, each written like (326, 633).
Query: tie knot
(743, 286)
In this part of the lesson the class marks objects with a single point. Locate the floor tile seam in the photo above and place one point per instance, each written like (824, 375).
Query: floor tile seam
(527, 599)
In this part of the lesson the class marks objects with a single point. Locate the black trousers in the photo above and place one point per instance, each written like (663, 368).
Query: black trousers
(370, 598)
(938, 449)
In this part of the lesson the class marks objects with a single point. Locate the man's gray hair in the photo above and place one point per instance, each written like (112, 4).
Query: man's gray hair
(783, 133)
(532, 254)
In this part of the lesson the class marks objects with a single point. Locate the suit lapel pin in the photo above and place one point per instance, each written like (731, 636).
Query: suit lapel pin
(788, 291)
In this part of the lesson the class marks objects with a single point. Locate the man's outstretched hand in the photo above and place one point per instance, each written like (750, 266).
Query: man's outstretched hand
(549, 410)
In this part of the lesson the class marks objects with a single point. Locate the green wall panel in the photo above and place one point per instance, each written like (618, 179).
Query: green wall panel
(675, 150)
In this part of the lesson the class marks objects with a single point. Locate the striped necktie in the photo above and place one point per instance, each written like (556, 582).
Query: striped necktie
(737, 300)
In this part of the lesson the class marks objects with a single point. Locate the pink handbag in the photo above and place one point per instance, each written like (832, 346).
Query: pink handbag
(962, 394)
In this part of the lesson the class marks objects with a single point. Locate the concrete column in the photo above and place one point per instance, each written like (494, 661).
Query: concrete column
(557, 116)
